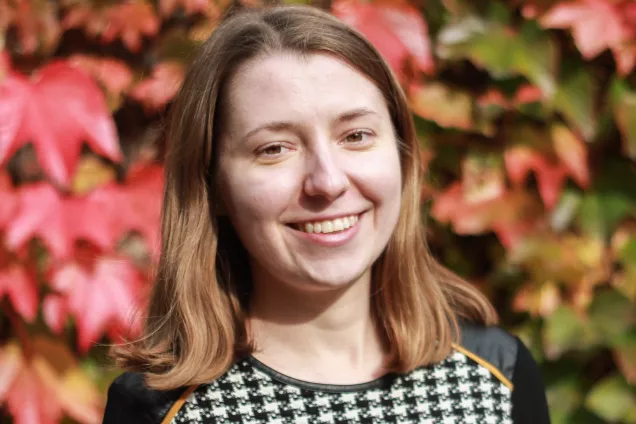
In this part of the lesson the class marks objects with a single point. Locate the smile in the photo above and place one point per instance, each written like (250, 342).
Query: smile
(327, 226)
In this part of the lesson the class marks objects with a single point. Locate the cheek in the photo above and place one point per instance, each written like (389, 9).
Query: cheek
(253, 197)
(379, 177)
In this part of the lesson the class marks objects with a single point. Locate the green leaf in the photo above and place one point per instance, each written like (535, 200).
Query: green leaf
(612, 315)
(564, 397)
(611, 198)
(611, 399)
(564, 331)
(575, 99)
(623, 101)
(501, 50)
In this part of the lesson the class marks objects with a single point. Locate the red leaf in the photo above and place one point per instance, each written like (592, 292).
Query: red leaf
(8, 200)
(55, 311)
(129, 22)
(550, 177)
(42, 213)
(397, 30)
(508, 215)
(101, 217)
(31, 402)
(57, 112)
(100, 300)
(36, 24)
(114, 75)
(143, 193)
(597, 25)
(572, 152)
(190, 7)
(20, 288)
(156, 91)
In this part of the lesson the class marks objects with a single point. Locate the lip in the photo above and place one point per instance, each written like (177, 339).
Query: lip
(335, 239)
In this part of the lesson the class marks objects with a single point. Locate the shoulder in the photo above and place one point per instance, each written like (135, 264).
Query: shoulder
(131, 401)
(491, 347)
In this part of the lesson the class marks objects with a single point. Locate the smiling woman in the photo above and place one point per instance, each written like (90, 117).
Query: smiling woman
(294, 283)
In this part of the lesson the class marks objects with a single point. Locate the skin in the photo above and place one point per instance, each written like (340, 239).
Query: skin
(307, 138)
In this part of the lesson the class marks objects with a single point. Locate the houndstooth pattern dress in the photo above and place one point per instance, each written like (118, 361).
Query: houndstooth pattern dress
(457, 390)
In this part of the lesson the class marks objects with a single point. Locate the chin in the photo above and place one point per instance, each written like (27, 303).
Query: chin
(326, 278)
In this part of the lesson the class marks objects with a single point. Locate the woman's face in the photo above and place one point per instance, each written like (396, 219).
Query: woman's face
(309, 170)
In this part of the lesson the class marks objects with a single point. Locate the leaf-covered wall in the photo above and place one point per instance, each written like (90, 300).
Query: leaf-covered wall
(526, 113)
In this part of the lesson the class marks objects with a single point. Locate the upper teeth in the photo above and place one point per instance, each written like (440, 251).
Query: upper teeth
(330, 226)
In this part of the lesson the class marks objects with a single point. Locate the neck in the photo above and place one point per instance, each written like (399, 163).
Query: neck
(324, 336)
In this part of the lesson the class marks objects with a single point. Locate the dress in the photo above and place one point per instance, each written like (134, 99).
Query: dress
(490, 378)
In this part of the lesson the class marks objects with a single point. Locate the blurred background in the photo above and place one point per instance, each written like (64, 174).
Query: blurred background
(526, 115)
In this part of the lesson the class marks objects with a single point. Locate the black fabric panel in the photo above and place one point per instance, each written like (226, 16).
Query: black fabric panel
(492, 344)
(131, 401)
(529, 404)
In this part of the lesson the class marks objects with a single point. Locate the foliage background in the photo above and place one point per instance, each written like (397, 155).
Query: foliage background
(526, 112)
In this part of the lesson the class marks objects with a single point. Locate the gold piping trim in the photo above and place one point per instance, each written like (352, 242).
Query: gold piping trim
(481, 361)
(178, 404)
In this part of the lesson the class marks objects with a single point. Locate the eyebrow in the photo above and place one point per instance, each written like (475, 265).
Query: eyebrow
(284, 125)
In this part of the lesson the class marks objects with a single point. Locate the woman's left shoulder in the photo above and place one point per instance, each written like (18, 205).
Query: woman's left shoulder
(503, 353)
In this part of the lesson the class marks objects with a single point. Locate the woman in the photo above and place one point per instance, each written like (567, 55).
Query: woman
(294, 283)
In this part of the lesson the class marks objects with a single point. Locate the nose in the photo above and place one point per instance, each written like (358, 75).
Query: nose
(325, 175)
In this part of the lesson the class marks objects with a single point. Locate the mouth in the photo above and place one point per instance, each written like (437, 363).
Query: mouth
(329, 226)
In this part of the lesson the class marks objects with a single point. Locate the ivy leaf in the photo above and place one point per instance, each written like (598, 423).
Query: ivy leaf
(190, 7)
(19, 286)
(36, 25)
(8, 200)
(623, 101)
(57, 112)
(596, 25)
(161, 87)
(609, 200)
(396, 29)
(612, 315)
(625, 355)
(129, 22)
(501, 50)
(572, 152)
(102, 300)
(575, 99)
(564, 330)
(113, 75)
(437, 102)
(611, 399)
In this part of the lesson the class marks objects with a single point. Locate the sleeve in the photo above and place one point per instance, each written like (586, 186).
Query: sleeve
(122, 406)
(529, 404)
(131, 401)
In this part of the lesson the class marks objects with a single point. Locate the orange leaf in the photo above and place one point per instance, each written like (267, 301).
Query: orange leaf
(190, 7)
(572, 152)
(161, 87)
(447, 108)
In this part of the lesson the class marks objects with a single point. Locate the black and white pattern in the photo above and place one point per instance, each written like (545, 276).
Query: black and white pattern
(454, 391)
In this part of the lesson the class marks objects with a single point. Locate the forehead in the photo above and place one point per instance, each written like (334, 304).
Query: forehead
(289, 86)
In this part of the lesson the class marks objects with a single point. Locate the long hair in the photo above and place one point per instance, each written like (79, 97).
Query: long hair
(196, 323)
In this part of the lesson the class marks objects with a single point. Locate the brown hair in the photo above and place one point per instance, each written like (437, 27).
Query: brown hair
(196, 323)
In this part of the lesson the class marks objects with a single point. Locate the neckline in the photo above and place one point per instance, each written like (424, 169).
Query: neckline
(377, 383)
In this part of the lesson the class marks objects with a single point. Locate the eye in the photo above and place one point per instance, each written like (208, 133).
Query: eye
(357, 137)
(272, 151)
